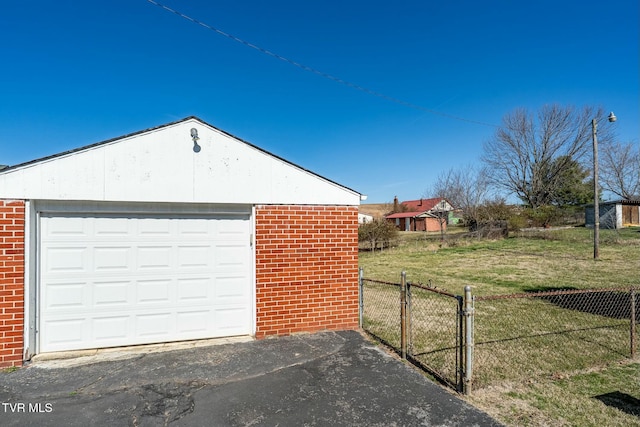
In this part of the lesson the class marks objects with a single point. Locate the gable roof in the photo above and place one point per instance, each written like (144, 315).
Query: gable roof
(420, 207)
(95, 144)
(162, 164)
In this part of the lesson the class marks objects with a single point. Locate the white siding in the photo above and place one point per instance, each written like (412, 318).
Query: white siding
(161, 166)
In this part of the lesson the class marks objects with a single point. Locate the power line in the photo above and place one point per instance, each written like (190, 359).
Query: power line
(318, 72)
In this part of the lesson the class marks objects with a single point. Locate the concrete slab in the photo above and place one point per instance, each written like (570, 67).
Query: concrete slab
(66, 359)
(331, 378)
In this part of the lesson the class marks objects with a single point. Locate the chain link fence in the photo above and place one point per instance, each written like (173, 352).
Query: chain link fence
(380, 310)
(436, 332)
(424, 326)
(552, 333)
(486, 340)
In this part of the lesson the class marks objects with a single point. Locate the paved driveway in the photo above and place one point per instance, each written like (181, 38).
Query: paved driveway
(324, 379)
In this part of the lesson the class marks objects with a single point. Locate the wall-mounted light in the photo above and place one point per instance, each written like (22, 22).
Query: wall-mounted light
(195, 138)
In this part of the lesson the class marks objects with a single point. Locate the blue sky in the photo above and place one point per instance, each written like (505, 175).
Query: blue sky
(74, 73)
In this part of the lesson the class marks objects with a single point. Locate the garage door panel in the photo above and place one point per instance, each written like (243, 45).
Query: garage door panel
(229, 290)
(230, 229)
(156, 325)
(229, 321)
(66, 296)
(190, 322)
(112, 294)
(196, 227)
(116, 280)
(154, 257)
(231, 257)
(153, 291)
(195, 288)
(65, 334)
(109, 258)
(66, 227)
(153, 227)
(111, 328)
(111, 227)
(65, 260)
(194, 256)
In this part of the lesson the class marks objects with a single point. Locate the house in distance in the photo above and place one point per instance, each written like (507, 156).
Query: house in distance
(421, 214)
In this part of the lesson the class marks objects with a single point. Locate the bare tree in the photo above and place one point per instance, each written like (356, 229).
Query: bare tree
(465, 188)
(620, 169)
(528, 154)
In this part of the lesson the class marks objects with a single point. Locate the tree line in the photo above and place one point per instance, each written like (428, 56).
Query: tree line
(545, 159)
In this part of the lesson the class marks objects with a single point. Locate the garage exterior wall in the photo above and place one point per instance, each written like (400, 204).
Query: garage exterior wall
(12, 223)
(306, 268)
(305, 264)
(306, 272)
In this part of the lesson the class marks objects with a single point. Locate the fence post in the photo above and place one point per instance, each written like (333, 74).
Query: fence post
(633, 322)
(360, 296)
(403, 315)
(460, 348)
(408, 321)
(468, 340)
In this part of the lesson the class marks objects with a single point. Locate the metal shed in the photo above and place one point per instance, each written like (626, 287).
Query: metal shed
(615, 214)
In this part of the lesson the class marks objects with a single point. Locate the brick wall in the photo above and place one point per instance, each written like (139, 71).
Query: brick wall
(433, 224)
(11, 282)
(306, 269)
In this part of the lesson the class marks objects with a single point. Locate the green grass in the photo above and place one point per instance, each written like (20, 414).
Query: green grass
(542, 260)
(531, 354)
(607, 396)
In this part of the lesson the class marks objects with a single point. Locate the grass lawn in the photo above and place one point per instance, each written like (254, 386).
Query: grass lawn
(568, 391)
(529, 261)
(607, 396)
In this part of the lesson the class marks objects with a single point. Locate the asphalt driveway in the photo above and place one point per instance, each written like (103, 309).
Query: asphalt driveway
(324, 379)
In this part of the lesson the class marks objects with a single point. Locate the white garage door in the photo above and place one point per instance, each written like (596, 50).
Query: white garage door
(113, 280)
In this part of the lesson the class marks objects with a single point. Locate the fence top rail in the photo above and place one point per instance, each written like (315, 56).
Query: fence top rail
(381, 282)
(415, 285)
(433, 289)
(552, 293)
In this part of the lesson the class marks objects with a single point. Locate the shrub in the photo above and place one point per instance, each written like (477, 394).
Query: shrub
(517, 222)
(377, 233)
(543, 216)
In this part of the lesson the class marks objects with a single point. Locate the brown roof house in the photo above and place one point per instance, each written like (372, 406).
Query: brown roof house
(421, 214)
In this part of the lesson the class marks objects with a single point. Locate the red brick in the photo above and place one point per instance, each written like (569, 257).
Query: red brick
(11, 282)
(313, 276)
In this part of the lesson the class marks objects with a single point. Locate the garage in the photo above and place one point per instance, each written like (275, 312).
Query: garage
(177, 232)
(113, 280)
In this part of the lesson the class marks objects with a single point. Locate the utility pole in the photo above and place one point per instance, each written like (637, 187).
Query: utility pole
(596, 204)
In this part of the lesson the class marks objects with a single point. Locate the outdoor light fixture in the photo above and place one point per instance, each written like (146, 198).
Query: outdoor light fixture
(195, 138)
(596, 203)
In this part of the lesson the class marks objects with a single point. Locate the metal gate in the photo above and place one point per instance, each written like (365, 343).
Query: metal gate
(430, 327)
